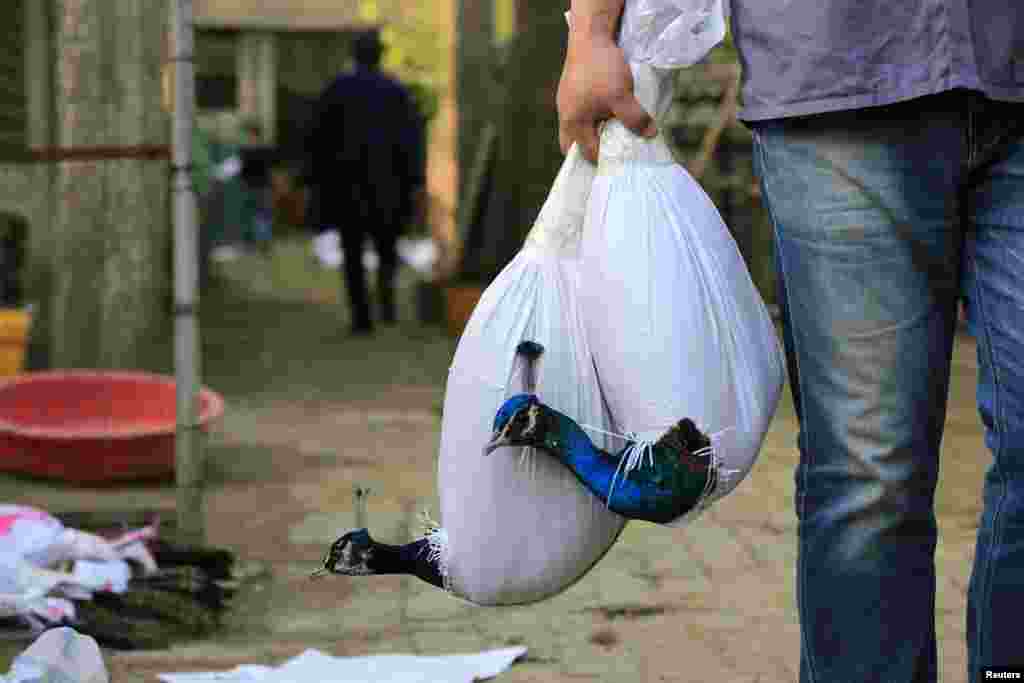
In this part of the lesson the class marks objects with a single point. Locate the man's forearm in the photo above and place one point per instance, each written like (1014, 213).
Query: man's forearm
(596, 19)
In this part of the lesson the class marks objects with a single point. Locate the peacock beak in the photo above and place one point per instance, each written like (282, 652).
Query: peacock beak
(498, 440)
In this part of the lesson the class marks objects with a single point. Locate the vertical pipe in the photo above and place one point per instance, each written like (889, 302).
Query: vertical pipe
(188, 447)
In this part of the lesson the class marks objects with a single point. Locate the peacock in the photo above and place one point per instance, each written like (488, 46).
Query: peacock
(656, 482)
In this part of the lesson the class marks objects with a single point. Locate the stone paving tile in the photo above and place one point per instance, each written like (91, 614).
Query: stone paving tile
(320, 529)
(664, 552)
(371, 606)
(772, 550)
(615, 586)
(522, 624)
(546, 634)
(436, 605)
(677, 649)
(717, 549)
(449, 641)
(949, 594)
(758, 503)
(761, 658)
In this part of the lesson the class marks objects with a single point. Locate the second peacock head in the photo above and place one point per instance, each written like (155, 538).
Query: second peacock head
(518, 423)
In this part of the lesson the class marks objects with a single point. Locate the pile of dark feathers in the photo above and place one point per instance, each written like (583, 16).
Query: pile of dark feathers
(185, 599)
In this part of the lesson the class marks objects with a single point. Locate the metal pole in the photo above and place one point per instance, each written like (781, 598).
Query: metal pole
(188, 446)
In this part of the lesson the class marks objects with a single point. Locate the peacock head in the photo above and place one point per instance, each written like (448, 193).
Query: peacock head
(349, 555)
(521, 421)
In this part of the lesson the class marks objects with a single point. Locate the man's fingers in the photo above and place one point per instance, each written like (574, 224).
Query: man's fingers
(586, 135)
(634, 117)
(589, 141)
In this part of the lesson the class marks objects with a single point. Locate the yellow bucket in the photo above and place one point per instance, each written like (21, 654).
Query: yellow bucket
(14, 327)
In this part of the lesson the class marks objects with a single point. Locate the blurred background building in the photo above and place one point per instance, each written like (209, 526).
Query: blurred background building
(84, 142)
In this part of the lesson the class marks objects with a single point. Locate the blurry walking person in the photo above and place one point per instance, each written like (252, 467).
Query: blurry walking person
(364, 154)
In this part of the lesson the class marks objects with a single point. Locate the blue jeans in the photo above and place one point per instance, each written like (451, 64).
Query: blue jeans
(884, 218)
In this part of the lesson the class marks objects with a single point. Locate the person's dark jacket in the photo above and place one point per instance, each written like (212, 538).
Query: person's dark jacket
(257, 161)
(365, 151)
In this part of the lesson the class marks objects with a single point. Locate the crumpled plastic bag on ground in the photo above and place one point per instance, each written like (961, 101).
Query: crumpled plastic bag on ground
(60, 655)
(313, 666)
(33, 543)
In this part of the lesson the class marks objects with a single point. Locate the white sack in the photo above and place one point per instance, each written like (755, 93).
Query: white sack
(518, 529)
(677, 327)
(517, 526)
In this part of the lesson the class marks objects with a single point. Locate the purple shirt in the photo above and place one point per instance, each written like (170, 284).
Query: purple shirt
(811, 56)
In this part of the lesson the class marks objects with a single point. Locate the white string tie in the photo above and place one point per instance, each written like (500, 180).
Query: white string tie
(636, 454)
(437, 547)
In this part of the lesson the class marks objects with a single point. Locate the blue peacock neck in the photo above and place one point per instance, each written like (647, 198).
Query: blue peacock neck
(664, 487)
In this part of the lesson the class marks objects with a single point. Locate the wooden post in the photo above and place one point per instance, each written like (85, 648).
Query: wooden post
(111, 277)
(41, 262)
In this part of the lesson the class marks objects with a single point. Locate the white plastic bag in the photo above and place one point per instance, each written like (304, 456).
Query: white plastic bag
(677, 327)
(41, 539)
(518, 527)
(60, 655)
(33, 543)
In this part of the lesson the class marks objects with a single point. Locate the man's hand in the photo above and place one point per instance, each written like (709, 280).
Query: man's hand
(596, 85)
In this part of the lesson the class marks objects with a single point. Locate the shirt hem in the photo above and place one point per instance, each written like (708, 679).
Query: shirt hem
(824, 106)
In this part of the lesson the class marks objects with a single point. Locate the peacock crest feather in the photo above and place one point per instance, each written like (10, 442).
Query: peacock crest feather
(529, 353)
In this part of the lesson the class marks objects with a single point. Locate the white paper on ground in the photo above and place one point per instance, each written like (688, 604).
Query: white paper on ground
(313, 666)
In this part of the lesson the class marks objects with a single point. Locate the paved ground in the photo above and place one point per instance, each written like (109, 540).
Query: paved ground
(310, 413)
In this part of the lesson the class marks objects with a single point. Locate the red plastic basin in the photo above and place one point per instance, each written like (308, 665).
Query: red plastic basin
(90, 427)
